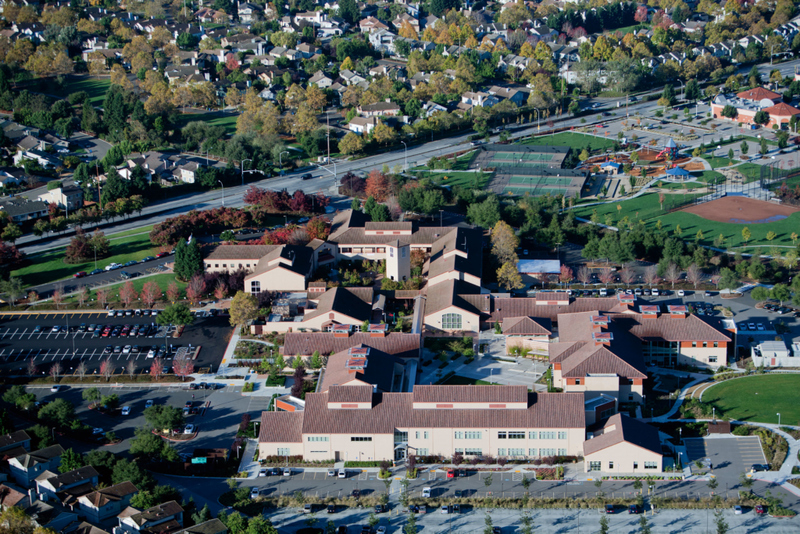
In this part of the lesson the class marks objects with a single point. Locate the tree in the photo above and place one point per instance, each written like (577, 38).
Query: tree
(70, 460)
(761, 117)
(384, 134)
(55, 371)
(162, 417)
(763, 149)
(60, 413)
(508, 276)
(107, 368)
(298, 378)
(244, 308)
(377, 186)
(348, 10)
(127, 470)
(729, 111)
(746, 234)
(156, 368)
(150, 293)
(487, 521)
(351, 143)
(127, 294)
(672, 274)
(694, 275)
(175, 314)
(130, 368)
(651, 275)
(12, 289)
(92, 395)
(728, 279)
(148, 445)
(584, 275)
(603, 524)
(504, 243)
(183, 365)
(173, 292)
(565, 275)
(188, 259)
(744, 148)
(486, 213)
(411, 524)
(196, 288)
(781, 293)
(644, 525)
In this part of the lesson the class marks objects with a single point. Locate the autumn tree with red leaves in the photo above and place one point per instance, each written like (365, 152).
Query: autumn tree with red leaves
(156, 368)
(107, 368)
(183, 365)
(173, 292)
(377, 186)
(318, 228)
(128, 294)
(150, 293)
(196, 288)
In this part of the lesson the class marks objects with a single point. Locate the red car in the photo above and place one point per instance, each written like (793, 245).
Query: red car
(79, 274)
(162, 254)
(451, 473)
(761, 509)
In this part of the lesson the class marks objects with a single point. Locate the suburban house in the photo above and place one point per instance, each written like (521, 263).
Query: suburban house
(39, 156)
(108, 502)
(68, 197)
(361, 125)
(26, 467)
(76, 482)
(21, 209)
(167, 517)
(10, 497)
(355, 423)
(212, 526)
(18, 440)
(379, 109)
(623, 445)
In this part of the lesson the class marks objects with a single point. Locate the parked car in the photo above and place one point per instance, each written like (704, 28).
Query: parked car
(379, 508)
(287, 472)
(737, 509)
(342, 473)
(426, 492)
(96, 271)
(356, 494)
(306, 176)
(55, 389)
(126, 410)
(609, 509)
(113, 266)
(79, 274)
(148, 404)
(146, 259)
(761, 509)
(331, 508)
(633, 509)
(254, 492)
(308, 508)
(189, 429)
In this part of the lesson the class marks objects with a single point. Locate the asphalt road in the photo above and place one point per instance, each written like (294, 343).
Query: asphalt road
(19, 343)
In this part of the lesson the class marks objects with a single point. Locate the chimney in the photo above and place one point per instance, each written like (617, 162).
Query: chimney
(603, 338)
(649, 311)
(677, 312)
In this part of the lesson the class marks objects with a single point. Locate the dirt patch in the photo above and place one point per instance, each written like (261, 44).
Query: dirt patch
(694, 166)
(742, 210)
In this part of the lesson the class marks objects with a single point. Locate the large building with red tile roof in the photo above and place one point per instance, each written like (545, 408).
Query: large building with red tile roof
(357, 423)
(750, 102)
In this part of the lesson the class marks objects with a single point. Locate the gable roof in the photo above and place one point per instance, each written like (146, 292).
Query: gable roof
(212, 526)
(41, 456)
(378, 369)
(394, 343)
(527, 326)
(688, 328)
(240, 252)
(9, 496)
(341, 300)
(281, 427)
(19, 436)
(71, 477)
(117, 492)
(782, 109)
(157, 512)
(449, 293)
(620, 428)
(758, 93)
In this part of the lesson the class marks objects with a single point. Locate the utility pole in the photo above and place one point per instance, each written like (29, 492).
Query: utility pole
(242, 166)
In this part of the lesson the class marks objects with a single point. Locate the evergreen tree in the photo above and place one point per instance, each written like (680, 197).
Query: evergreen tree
(90, 120)
(348, 10)
(115, 187)
(188, 260)
(115, 117)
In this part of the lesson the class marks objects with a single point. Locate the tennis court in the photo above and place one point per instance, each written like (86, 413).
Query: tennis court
(539, 180)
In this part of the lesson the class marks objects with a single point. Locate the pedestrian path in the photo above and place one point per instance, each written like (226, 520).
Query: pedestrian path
(248, 464)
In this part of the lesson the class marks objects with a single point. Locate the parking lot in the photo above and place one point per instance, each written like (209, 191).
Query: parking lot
(730, 456)
(28, 338)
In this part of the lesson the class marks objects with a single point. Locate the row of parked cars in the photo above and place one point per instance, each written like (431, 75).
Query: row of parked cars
(137, 330)
(132, 313)
(780, 310)
(115, 266)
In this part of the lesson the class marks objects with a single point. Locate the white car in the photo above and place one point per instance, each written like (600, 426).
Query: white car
(126, 349)
(113, 266)
(287, 472)
(96, 431)
(426, 492)
(126, 410)
(342, 473)
(681, 293)
(189, 429)
(381, 530)
(444, 509)
(654, 292)
(254, 493)
(111, 313)
(55, 389)
(151, 353)
(148, 404)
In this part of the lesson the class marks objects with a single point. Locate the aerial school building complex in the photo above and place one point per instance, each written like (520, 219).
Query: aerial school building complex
(368, 407)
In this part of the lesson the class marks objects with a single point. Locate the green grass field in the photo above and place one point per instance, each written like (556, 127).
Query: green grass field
(573, 139)
(477, 180)
(215, 118)
(716, 163)
(50, 266)
(648, 209)
(96, 88)
(708, 176)
(758, 398)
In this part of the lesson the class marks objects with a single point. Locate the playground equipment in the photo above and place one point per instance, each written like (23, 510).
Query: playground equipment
(671, 149)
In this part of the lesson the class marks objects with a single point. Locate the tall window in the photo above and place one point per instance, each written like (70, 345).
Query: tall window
(283, 452)
(594, 466)
(451, 321)
(255, 287)
(516, 452)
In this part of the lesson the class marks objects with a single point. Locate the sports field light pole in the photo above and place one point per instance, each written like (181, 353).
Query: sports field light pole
(242, 166)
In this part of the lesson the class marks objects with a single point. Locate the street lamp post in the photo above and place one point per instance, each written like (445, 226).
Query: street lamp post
(779, 419)
(242, 165)
(405, 155)
(223, 192)
(280, 159)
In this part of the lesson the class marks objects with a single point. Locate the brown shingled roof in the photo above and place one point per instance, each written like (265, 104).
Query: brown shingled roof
(689, 328)
(117, 492)
(501, 307)
(350, 394)
(379, 370)
(405, 226)
(240, 252)
(281, 427)
(341, 300)
(305, 343)
(395, 410)
(481, 394)
(626, 429)
(758, 93)
(526, 326)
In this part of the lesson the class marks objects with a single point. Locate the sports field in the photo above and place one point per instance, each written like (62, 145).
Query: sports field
(758, 398)
(577, 141)
(648, 209)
